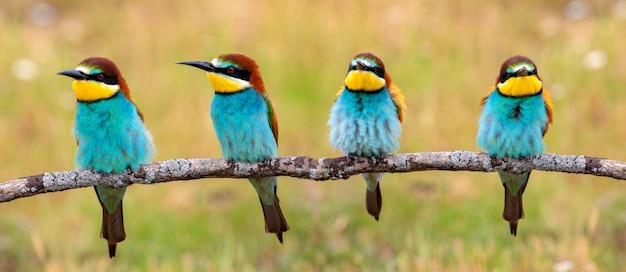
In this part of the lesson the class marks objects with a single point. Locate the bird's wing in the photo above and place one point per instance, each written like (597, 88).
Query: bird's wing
(340, 90)
(549, 107)
(398, 100)
(137, 107)
(482, 101)
(271, 115)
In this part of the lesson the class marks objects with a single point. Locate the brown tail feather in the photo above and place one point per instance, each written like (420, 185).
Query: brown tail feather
(513, 208)
(274, 219)
(113, 228)
(374, 202)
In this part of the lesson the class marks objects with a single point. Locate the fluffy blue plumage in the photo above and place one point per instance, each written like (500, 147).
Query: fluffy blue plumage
(364, 123)
(242, 125)
(111, 137)
(512, 126)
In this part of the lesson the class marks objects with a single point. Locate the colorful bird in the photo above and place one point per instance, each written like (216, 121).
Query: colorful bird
(366, 118)
(246, 126)
(110, 135)
(516, 114)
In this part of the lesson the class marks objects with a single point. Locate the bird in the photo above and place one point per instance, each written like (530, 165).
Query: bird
(110, 135)
(366, 118)
(515, 116)
(245, 122)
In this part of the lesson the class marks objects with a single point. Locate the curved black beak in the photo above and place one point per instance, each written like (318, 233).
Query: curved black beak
(204, 65)
(75, 74)
(522, 72)
(361, 66)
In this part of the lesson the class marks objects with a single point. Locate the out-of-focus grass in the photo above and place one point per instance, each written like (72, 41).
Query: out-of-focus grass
(444, 54)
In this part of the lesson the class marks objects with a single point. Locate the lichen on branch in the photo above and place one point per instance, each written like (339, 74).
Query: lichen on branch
(308, 168)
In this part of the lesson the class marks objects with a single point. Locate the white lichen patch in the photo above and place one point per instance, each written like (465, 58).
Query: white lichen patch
(24, 190)
(51, 181)
(149, 176)
(242, 168)
(48, 179)
(402, 162)
(117, 179)
(545, 161)
(84, 177)
(580, 162)
(175, 168)
(313, 174)
(570, 164)
(464, 159)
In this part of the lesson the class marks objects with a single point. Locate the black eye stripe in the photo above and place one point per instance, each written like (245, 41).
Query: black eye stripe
(376, 70)
(238, 73)
(109, 80)
(506, 76)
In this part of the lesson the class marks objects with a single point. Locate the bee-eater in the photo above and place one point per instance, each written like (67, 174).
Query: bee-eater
(110, 135)
(366, 118)
(515, 117)
(246, 126)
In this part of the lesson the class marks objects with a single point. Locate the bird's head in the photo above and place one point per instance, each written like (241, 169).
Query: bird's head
(98, 78)
(95, 79)
(230, 73)
(518, 77)
(366, 72)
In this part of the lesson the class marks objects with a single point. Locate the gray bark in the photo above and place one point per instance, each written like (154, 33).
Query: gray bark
(307, 168)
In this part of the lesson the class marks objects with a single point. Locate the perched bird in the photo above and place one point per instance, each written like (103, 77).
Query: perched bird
(110, 135)
(246, 125)
(366, 118)
(515, 117)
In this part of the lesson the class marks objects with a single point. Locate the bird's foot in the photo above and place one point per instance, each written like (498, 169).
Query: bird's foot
(350, 157)
(380, 157)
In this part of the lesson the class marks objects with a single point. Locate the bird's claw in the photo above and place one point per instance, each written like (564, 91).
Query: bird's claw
(380, 157)
(350, 157)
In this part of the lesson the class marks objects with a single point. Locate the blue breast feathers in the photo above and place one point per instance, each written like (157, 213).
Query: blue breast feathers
(242, 126)
(512, 126)
(364, 123)
(111, 136)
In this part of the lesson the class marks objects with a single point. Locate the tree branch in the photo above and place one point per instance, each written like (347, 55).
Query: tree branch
(308, 168)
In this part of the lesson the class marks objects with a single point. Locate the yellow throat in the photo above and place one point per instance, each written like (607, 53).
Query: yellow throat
(520, 86)
(364, 81)
(226, 84)
(89, 91)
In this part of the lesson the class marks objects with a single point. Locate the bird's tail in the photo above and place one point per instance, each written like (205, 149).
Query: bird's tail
(513, 209)
(514, 186)
(373, 197)
(113, 228)
(274, 219)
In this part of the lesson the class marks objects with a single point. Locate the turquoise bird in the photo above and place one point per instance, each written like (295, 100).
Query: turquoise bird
(246, 126)
(366, 118)
(515, 117)
(110, 135)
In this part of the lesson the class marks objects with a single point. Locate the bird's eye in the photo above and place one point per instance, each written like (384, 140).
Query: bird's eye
(230, 70)
(100, 76)
(375, 70)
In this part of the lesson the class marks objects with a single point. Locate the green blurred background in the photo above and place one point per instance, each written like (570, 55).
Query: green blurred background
(443, 54)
